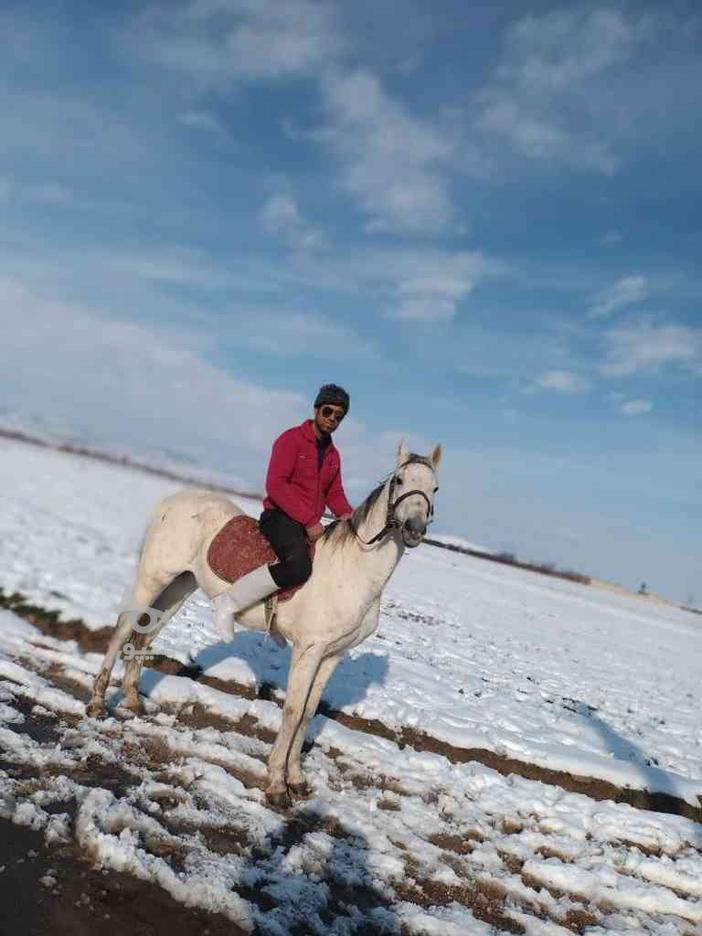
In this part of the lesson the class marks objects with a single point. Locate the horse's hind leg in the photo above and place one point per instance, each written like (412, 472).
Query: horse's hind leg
(96, 707)
(168, 603)
(143, 596)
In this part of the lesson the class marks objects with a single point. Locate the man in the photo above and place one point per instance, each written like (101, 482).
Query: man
(304, 477)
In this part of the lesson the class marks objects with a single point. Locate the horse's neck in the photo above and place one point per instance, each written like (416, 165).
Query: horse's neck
(378, 561)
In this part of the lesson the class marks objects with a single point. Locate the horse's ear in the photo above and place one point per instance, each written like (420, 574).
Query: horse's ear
(436, 456)
(402, 453)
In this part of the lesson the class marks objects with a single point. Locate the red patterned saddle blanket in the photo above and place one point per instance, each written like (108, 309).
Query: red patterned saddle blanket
(240, 547)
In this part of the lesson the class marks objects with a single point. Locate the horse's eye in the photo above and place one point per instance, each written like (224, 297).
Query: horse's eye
(436, 488)
(398, 479)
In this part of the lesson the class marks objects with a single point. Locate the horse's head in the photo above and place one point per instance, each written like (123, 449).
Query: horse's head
(412, 489)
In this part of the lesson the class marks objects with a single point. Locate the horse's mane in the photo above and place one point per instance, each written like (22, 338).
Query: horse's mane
(340, 530)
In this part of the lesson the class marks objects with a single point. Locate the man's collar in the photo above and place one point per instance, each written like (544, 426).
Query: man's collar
(309, 433)
(308, 430)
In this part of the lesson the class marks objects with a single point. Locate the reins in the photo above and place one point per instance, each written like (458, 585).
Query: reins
(391, 521)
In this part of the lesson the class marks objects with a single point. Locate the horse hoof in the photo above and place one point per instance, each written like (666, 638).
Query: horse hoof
(96, 708)
(278, 799)
(133, 709)
(301, 789)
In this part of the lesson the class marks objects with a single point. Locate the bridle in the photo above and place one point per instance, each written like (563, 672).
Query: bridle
(391, 521)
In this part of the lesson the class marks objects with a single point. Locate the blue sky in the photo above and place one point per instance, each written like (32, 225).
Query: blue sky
(482, 219)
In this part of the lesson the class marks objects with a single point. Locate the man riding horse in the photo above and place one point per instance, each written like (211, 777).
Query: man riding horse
(304, 477)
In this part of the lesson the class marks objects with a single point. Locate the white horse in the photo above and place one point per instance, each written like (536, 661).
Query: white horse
(335, 610)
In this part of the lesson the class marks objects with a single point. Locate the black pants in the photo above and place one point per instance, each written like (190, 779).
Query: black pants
(289, 542)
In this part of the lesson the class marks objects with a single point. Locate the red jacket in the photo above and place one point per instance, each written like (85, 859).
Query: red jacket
(296, 486)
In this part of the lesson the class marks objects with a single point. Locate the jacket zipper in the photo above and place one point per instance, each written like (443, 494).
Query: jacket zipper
(319, 479)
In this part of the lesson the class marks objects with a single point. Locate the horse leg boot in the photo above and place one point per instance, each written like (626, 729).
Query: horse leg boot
(303, 670)
(246, 591)
(296, 778)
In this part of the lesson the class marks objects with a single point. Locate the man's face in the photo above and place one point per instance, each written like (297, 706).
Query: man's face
(328, 416)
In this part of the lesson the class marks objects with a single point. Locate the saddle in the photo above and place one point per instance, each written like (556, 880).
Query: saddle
(240, 547)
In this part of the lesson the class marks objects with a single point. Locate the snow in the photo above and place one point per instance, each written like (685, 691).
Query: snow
(473, 654)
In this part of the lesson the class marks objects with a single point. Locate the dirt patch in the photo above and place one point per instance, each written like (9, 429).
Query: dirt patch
(57, 892)
(199, 717)
(594, 788)
(590, 786)
(147, 751)
(578, 920)
(41, 727)
(512, 862)
(485, 899)
(49, 623)
(218, 839)
(460, 844)
(56, 673)
(651, 851)
(388, 804)
(548, 852)
(536, 885)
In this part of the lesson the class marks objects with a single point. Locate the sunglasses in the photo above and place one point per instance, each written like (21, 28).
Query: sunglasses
(329, 411)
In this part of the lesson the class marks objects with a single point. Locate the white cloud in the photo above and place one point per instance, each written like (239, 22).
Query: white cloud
(281, 216)
(562, 382)
(644, 346)
(624, 292)
(121, 382)
(201, 120)
(222, 41)
(635, 407)
(289, 332)
(66, 131)
(254, 283)
(565, 47)
(49, 193)
(436, 286)
(40, 193)
(542, 95)
(172, 266)
(392, 162)
(540, 138)
(404, 282)
(611, 238)
(151, 390)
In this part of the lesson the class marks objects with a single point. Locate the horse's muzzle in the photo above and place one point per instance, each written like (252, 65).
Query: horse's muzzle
(412, 532)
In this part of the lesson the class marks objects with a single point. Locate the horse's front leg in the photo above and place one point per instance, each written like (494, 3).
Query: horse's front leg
(296, 778)
(303, 670)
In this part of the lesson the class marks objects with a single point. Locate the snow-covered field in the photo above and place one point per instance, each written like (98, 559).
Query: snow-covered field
(474, 655)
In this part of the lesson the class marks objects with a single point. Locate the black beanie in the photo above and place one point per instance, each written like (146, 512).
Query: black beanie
(330, 393)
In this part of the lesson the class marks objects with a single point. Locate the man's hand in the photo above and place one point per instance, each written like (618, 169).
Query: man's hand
(314, 532)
